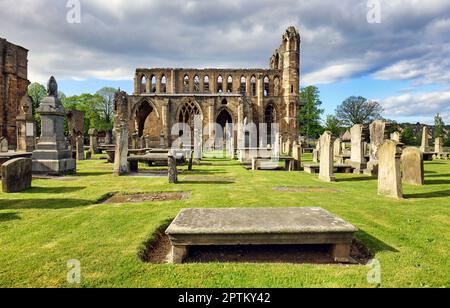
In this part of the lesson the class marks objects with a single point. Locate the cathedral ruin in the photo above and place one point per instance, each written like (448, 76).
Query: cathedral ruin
(165, 96)
(14, 101)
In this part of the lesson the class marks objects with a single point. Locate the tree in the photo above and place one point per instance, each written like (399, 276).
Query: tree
(358, 110)
(439, 126)
(90, 105)
(409, 138)
(106, 108)
(333, 125)
(309, 114)
(37, 92)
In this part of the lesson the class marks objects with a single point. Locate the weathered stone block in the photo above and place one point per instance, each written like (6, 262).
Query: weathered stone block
(389, 172)
(16, 175)
(412, 166)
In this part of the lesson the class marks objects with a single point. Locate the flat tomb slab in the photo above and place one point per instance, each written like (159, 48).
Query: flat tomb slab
(259, 226)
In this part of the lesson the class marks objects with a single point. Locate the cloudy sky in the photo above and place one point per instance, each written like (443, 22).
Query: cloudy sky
(404, 61)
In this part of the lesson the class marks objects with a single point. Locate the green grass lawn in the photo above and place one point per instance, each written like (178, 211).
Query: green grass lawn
(56, 221)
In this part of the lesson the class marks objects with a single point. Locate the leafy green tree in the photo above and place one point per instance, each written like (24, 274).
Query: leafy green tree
(409, 138)
(106, 108)
(358, 110)
(310, 113)
(37, 92)
(333, 125)
(91, 106)
(439, 126)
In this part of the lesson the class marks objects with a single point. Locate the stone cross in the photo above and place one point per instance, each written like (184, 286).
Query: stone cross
(389, 170)
(412, 166)
(357, 158)
(425, 140)
(326, 172)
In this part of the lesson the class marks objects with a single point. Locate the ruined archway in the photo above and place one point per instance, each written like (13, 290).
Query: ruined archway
(147, 122)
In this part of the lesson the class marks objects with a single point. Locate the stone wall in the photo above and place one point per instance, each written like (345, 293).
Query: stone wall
(13, 87)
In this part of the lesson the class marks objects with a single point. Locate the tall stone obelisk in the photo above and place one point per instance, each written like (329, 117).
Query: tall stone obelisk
(52, 155)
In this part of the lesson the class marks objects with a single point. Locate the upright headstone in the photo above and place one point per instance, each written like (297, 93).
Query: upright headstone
(173, 172)
(93, 141)
(439, 146)
(16, 175)
(357, 158)
(326, 172)
(147, 142)
(377, 137)
(26, 126)
(52, 155)
(389, 170)
(135, 141)
(4, 145)
(425, 147)
(316, 152)
(412, 166)
(80, 148)
(75, 122)
(162, 140)
(121, 166)
(297, 154)
(142, 140)
(337, 148)
(396, 136)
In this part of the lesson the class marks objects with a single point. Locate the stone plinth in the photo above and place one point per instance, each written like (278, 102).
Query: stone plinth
(412, 166)
(16, 175)
(425, 146)
(52, 155)
(389, 170)
(259, 226)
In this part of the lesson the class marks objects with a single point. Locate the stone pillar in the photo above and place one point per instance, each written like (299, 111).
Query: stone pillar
(412, 166)
(377, 137)
(80, 147)
(26, 127)
(240, 125)
(142, 142)
(396, 136)
(52, 155)
(326, 158)
(260, 89)
(389, 170)
(425, 140)
(173, 172)
(439, 146)
(135, 141)
(93, 141)
(166, 123)
(4, 147)
(316, 152)
(297, 154)
(121, 165)
(357, 159)
(337, 148)
(212, 119)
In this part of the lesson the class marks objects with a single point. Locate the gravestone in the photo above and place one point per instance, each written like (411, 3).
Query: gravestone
(173, 172)
(121, 166)
(316, 152)
(4, 145)
(439, 146)
(425, 146)
(412, 166)
(326, 158)
(52, 155)
(396, 136)
(93, 141)
(135, 141)
(357, 158)
(297, 155)
(75, 123)
(142, 142)
(162, 140)
(337, 148)
(80, 148)
(16, 175)
(389, 170)
(26, 126)
(377, 137)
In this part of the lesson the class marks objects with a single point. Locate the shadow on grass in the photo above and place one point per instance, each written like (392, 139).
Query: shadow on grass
(52, 204)
(52, 190)
(8, 216)
(437, 182)
(100, 173)
(432, 194)
(206, 182)
(356, 179)
(374, 244)
(440, 175)
(204, 172)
